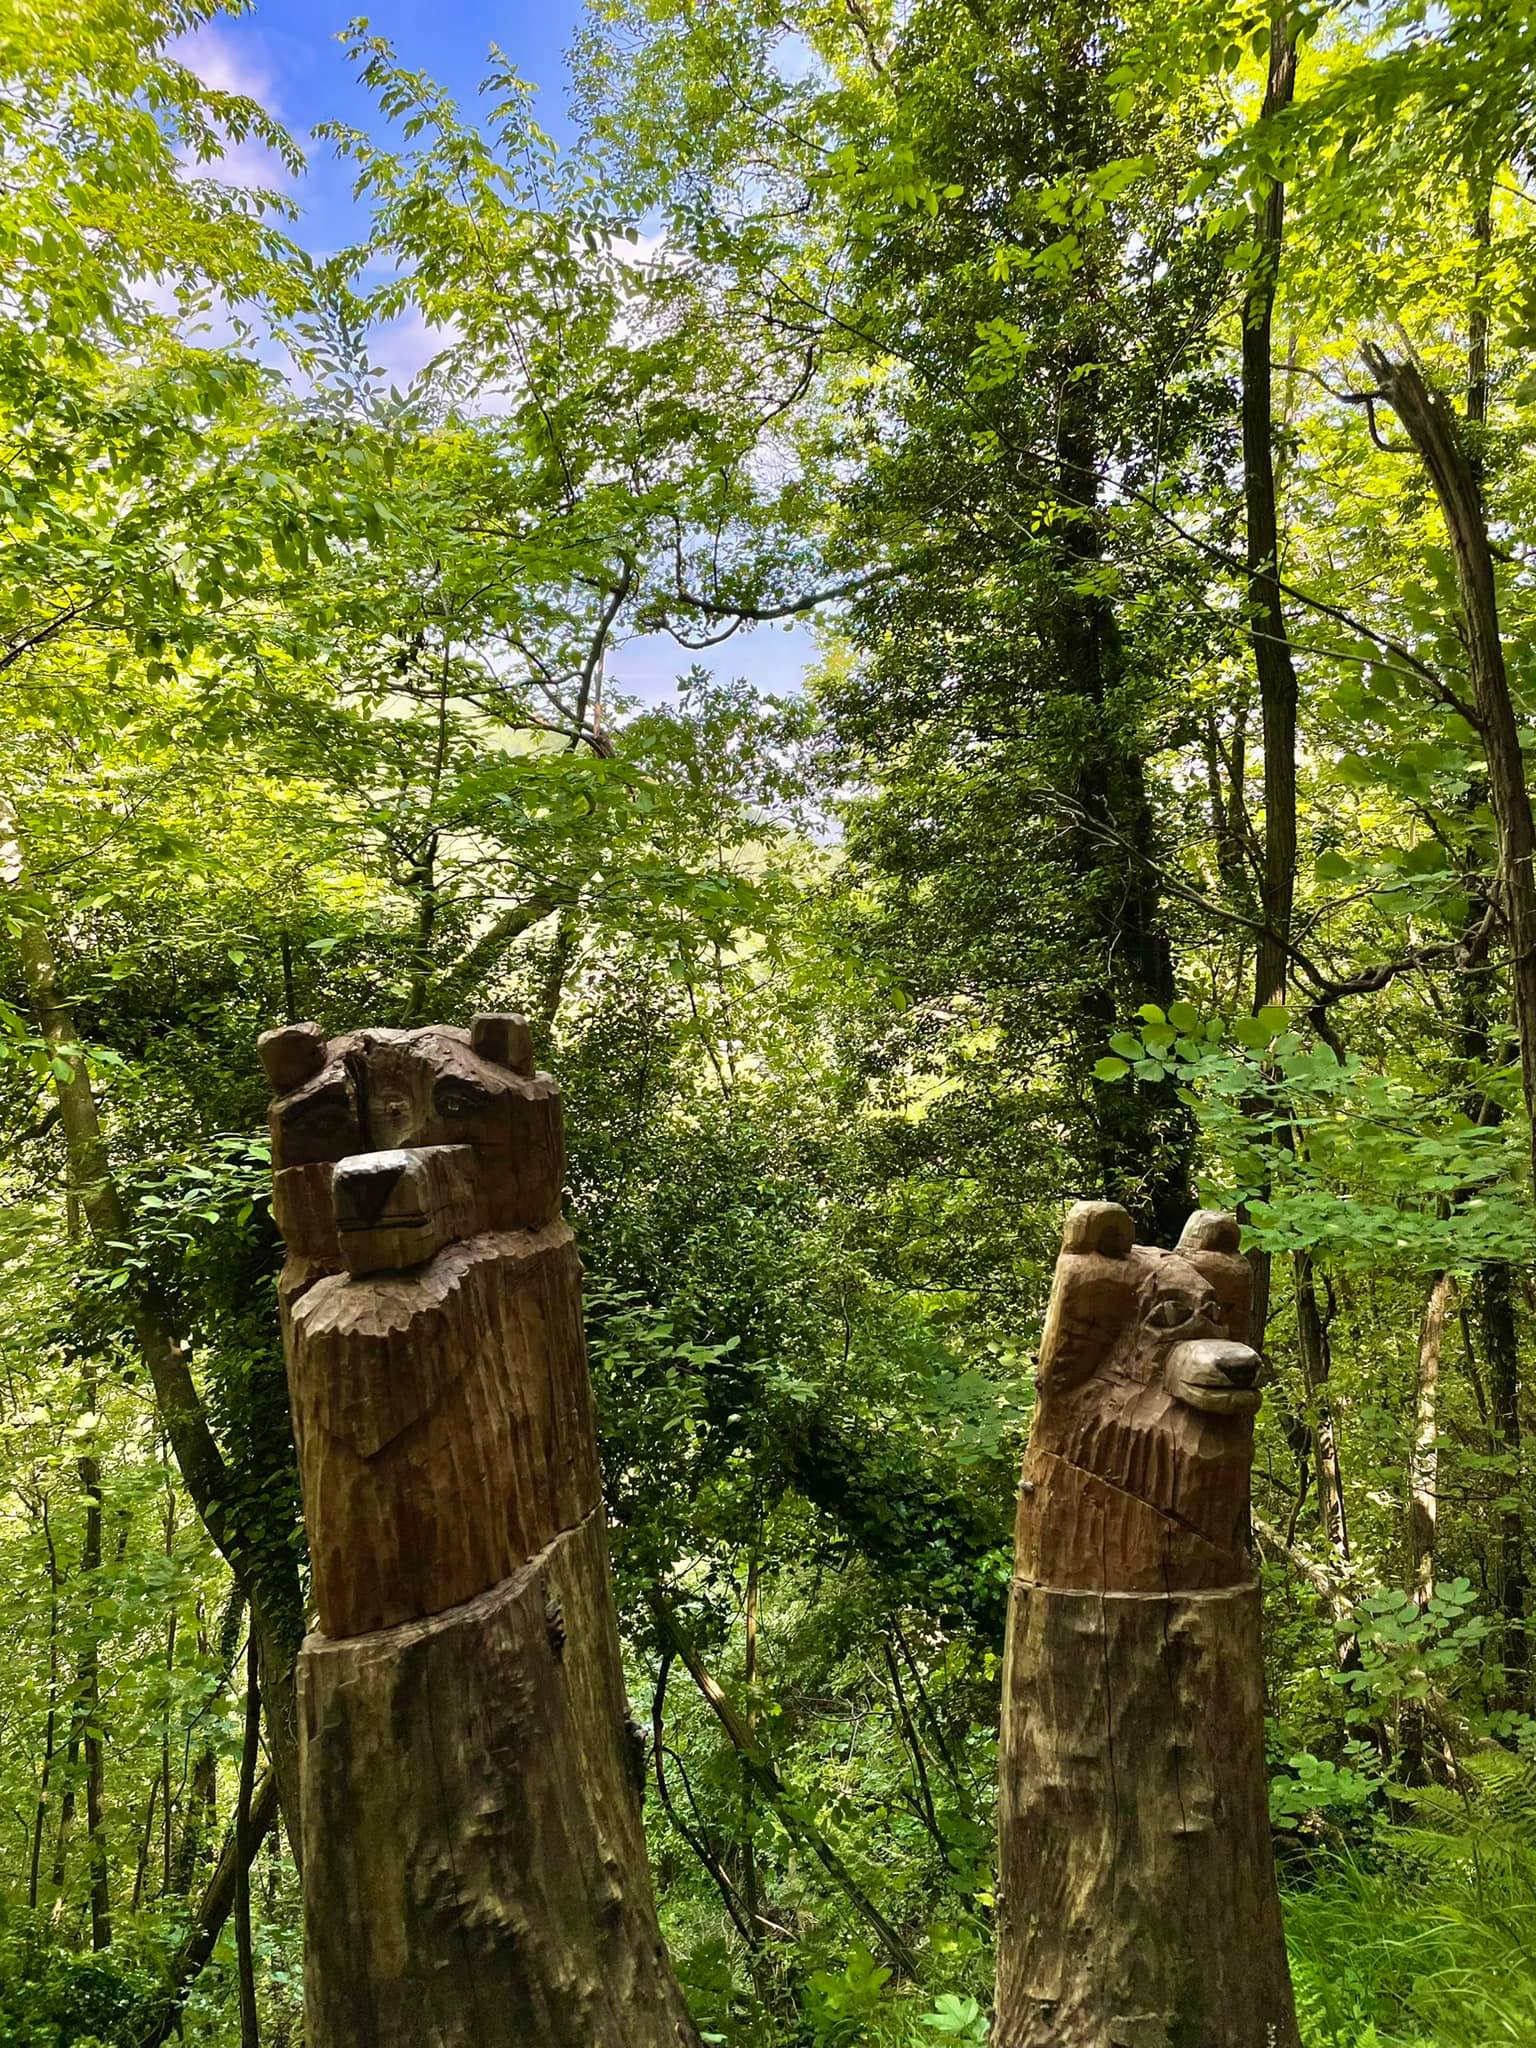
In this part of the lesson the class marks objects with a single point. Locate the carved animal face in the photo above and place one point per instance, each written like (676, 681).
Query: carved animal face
(387, 1145)
(1137, 1469)
(1127, 1319)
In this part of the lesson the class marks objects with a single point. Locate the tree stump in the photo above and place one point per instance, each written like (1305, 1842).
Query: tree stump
(1138, 1906)
(475, 1867)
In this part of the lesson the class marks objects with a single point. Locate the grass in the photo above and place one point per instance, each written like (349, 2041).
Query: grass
(1428, 1942)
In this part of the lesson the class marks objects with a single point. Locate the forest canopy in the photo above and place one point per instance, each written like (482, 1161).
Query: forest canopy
(1133, 414)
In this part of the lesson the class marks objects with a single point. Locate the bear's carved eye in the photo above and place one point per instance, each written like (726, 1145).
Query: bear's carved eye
(1170, 1313)
(452, 1097)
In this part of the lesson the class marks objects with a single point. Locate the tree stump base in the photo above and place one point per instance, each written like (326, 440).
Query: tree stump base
(496, 1895)
(1138, 1906)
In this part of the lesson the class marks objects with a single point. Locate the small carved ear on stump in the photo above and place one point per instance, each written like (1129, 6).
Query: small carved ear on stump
(1098, 1227)
(291, 1055)
(1211, 1230)
(504, 1040)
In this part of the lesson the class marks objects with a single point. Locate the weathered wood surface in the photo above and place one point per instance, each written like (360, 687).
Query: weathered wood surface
(498, 1896)
(1138, 1906)
(1136, 1476)
(444, 1424)
(476, 1874)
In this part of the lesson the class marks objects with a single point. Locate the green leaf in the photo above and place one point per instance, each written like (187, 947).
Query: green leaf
(1110, 1070)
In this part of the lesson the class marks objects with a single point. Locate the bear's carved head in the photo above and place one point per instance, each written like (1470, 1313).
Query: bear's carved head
(1137, 1472)
(389, 1145)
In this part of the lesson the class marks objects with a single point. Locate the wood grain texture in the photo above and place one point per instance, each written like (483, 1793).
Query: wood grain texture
(444, 1424)
(1138, 1906)
(476, 1874)
(495, 1894)
(1136, 1475)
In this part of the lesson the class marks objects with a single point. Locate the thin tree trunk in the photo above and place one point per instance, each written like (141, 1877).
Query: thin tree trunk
(89, 1467)
(1268, 632)
(1316, 1365)
(245, 1849)
(1496, 1318)
(1432, 428)
(51, 1722)
(1266, 614)
(749, 1851)
(213, 1911)
(771, 1785)
(277, 1612)
(1424, 1461)
(927, 1812)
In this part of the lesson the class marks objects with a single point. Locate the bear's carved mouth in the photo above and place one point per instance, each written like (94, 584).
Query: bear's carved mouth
(398, 1208)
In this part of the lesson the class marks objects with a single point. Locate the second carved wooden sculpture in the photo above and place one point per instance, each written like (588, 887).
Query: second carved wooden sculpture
(475, 1866)
(1138, 1906)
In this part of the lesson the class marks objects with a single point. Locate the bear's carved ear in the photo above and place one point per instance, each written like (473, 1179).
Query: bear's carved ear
(1102, 1227)
(291, 1055)
(1091, 1300)
(1212, 1230)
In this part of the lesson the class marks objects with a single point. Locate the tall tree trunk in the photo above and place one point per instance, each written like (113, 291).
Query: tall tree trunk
(1145, 1137)
(1496, 1320)
(1266, 613)
(245, 1849)
(1317, 1366)
(1454, 473)
(90, 1694)
(1268, 632)
(1432, 428)
(51, 1720)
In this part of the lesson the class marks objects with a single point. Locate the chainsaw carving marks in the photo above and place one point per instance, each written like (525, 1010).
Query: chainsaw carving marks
(1136, 1477)
(475, 1873)
(1137, 1906)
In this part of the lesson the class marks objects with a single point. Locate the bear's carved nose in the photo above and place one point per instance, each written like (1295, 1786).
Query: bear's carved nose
(1214, 1374)
(396, 1209)
(364, 1184)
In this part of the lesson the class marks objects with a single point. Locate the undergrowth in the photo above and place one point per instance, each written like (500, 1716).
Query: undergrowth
(1426, 1936)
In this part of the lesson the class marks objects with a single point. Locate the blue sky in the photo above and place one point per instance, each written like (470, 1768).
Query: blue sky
(285, 54)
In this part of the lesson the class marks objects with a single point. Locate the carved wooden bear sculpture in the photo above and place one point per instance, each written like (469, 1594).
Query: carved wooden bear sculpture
(475, 1867)
(1138, 1906)
(1136, 1476)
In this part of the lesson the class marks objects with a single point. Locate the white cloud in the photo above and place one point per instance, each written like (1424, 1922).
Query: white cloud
(405, 347)
(236, 64)
(227, 63)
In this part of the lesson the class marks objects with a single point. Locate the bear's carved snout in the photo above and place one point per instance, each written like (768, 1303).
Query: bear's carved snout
(1213, 1374)
(396, 1209)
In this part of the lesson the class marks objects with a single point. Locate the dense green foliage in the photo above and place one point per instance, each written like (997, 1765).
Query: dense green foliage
(925, 320)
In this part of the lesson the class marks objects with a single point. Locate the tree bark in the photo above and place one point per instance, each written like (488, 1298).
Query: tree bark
(1424, 1462)
(1317, 1368)
(1432, 428)
(90, 1704)
(1266, 613)
(1138, 1904)
(1496, 1319)
(1268, 632)
(245, 1849)
(497, 1892)
(213, 1911)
